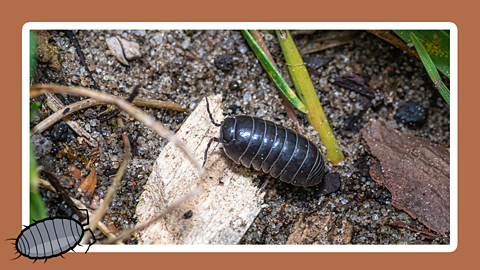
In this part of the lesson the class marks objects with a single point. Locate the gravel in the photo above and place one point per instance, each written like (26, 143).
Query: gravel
(179, 66)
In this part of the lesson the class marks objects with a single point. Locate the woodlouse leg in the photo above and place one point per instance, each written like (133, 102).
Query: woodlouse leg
(214, 139)
(262, 189)
(255, 175)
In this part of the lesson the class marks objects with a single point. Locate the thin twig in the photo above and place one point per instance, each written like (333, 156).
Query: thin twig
(67, 110)
(158, 104)
(75, 43)
(395, 41)
(74, 204)
(98, 214)
(103, 228)
(136, 113)
(86, 103)
(329, 39)
(168, 210)
(288, 106)
(56, 105)
(111, 114)
(64, 194)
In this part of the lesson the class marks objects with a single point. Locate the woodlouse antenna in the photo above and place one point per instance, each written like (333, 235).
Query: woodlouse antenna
(214, 139)
(210, 114)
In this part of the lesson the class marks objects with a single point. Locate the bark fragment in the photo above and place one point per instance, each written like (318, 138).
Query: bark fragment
(416, 172)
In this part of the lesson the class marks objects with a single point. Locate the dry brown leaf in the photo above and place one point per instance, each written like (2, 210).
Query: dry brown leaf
(95, 203)
(110, 225)
(73, 171)
(416, 172)
(87, 187)
(92, 157)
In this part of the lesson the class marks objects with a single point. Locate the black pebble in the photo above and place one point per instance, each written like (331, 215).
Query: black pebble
(224, 62)
(60, 132)
(412, 115)
(234, 85)
(109, 171)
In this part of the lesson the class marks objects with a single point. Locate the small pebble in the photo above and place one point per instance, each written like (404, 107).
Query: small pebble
(234, 85)
(224, 62)
(60, 132)
(411, 114)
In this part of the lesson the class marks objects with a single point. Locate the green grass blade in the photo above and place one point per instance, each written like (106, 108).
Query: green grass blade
(33, 109)
(437, 44)
(33, 51)
(304, 87)
(430, 67)
(38, 210)
(273, 73)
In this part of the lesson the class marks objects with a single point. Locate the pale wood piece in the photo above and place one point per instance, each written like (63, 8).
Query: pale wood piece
(228, 203)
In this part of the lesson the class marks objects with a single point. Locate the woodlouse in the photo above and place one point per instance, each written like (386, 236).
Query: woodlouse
(51, 237)
(266, 146)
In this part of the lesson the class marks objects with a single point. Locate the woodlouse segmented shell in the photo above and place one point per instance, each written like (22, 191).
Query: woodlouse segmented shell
(123, 49)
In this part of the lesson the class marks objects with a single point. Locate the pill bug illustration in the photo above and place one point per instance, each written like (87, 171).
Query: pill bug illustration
(50, 237)
(274, 149)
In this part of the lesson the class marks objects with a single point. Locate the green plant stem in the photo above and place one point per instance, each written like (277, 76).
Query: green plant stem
(273, 73)
(308, 95)
(286, 104)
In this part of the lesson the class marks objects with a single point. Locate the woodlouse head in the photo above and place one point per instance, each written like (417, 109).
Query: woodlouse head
(227, 130)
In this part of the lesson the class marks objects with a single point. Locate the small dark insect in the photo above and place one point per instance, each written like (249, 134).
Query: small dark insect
(50, 237)
(188, 214)
(269, 147)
